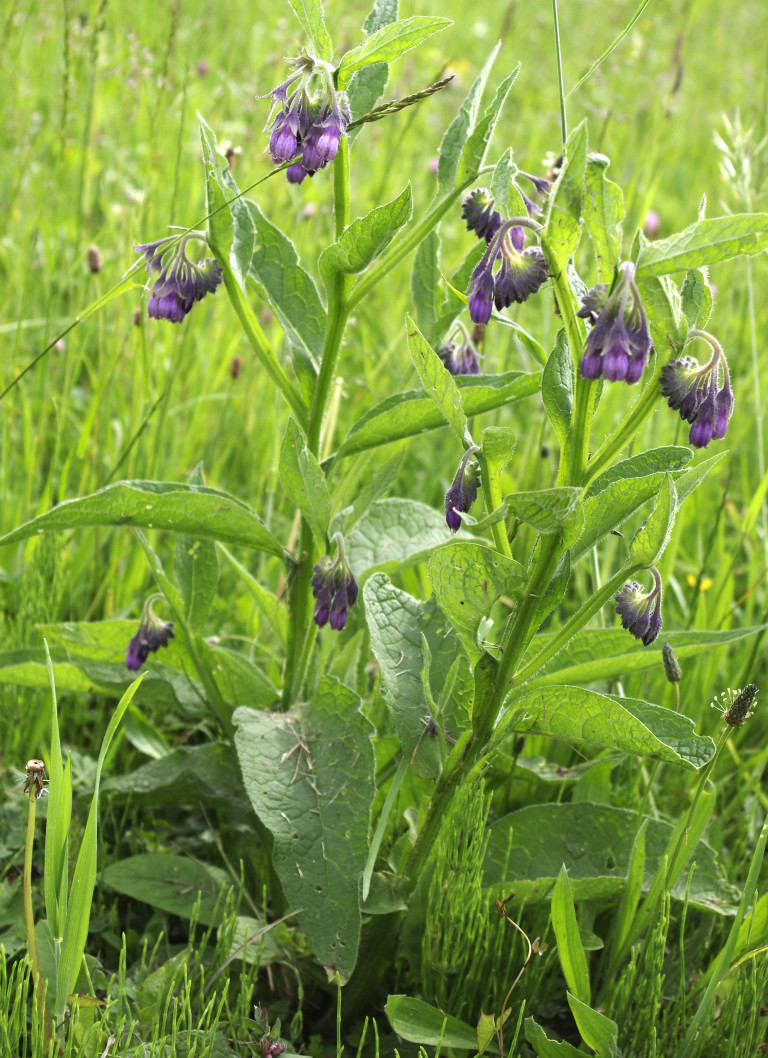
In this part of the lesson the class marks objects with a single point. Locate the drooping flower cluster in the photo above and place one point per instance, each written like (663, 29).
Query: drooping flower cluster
(309, 123)
(152, 634)
(522, 270)
(463, 492)
(179, 282)
(458, 354)
(334, 588)
(694, 391)
(640, 611)
(619, 343)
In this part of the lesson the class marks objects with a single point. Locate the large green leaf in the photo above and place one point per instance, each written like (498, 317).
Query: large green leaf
(706, 242)
(393, 534)
(188, 775)
(193, 509)
(413, 412)
(655, 460)
(582, 717)
(595, 842)
(608, 653)
(389, 43)
(367, 237)
(170, 883)
(420, 1022)
(309, 775)
(367, 85)
(397, 622)
(467, 579)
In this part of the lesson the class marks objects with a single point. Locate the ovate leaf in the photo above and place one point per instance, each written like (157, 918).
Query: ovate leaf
(367, 237)
(304, 482)
(706, 242)
(309, 776)
(389, 43)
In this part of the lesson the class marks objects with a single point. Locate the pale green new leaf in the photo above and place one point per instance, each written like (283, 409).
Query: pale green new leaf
(562, 227)
(310, 15)
(420, 1022)
(473, 153)
(706, 242)
(389, 43)
(557, 387)
(597, 1030)
(603, 214)
(221, 225)
(460, 128)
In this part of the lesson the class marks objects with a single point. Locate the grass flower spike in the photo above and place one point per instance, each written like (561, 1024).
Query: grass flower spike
(179, 282)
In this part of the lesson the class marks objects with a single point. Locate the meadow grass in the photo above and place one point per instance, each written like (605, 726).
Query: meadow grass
(103, 150)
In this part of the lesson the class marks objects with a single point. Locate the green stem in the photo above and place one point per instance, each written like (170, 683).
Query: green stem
(29, 914)
(492, 496)
(409, 242)
(303, 631)
(571, 627)
(260, 345)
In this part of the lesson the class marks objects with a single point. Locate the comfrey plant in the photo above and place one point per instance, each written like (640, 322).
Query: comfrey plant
(502, 644)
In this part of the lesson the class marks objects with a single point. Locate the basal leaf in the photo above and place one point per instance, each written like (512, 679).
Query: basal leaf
(390, 42)
(569, 947)
(595, 843)
(309, 775)
(367, 237)
(706, 242)
(420, 1022)
(413, 412)
(438, 382)
(193, 509)
(170, 883)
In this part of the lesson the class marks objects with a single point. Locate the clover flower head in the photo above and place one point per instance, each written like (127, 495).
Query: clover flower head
(619, 343)
(463, 491)
(334, 588)
(312, 118)
(152, 634)
(179, 281)
(695, 392)
(640, 611)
